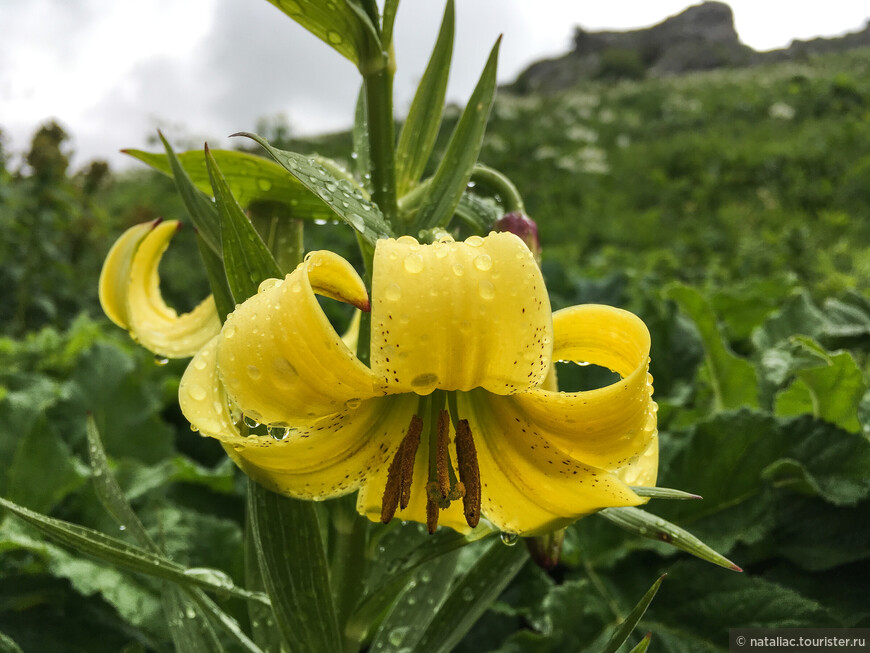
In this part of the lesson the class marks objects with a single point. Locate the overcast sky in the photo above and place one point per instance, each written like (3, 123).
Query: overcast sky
(111, 71)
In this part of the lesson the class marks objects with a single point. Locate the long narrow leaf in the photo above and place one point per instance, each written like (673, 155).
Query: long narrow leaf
(424, 117)
(247, 260)
(642, 523)
(470, 597)
(217, 279)
(663, 493)
(361, 152)
(631, 620)
(455, 169)
(188, 629)
(287, 535)
(199, 207)
(391, 7)
(339, 195)
(121, 554)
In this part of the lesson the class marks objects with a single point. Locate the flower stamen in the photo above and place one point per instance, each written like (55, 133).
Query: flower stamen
(469, 472)
(401, 472)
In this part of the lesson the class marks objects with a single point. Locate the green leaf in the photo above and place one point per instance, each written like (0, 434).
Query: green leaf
(336, 24)
(471, 595)
(217, 278)
(8, 645)
(200, 208)
(663, 493)
(424, 117)
(339, 195)
(127, 556)
(290, 547)
(640, 522)
(732, 378)
(643, 645)
(251, 179)
(478, 212)
(247, 260)
(626, 627)
(391, 7)
(189, 631)
(454, 171)
(361, 150)
(415, 607)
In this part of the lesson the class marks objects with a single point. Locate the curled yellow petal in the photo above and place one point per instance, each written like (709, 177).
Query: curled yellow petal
(331, 457)
(608, 427)
(115, 274)
(280, 359)
(459, 315)
(130, 295)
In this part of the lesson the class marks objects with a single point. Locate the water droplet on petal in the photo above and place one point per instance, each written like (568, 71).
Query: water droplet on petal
(486, 289)
(160, 360)
(254, 372)
(483, 262)
(250, 422)
(196, 392)
(393, 292)
(413, 263)
(474, 241)
(352, 404)
(228, 331)
(458, 269)
(509, 539)
(279, 433)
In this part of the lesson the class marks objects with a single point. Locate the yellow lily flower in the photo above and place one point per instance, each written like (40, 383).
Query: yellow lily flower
(462, 342)
(130, 295)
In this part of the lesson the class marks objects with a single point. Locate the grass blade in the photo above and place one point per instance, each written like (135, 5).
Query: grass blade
(631, 620)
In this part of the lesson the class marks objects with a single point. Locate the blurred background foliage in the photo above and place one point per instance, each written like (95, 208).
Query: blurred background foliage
(729, 209)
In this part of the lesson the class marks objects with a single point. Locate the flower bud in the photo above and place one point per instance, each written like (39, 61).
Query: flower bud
(523, 226)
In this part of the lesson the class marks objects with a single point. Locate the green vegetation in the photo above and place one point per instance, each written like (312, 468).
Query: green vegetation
(730, 210)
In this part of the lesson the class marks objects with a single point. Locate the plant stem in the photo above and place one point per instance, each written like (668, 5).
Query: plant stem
(382, 139)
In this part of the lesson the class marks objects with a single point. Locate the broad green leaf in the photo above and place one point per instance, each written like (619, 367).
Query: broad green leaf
(831, 390)
(117, 552)
(200, 208)
(454, 170)
(415, 607)
(797, 316)
(339, 195)
(471, 596)
(337, 24)
(251, 178)
(732, 378)
(424, 117)
(290, 547)
(247, 260)
(626, 627)
(640, 522)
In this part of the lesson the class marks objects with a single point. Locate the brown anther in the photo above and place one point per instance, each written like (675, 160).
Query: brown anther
(432, 511)
(401, 472)
(409, 452)
(469, 472)
(441, 449)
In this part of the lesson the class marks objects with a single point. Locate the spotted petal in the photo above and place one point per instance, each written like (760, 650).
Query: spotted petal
(280, 359)
(328, 458)
(459, 315)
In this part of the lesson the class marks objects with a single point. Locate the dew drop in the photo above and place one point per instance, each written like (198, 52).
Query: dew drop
(196, 392)
(467, 594)
(199, 364)
(194, 428)
(160, 360)
(474, 241)
(268, 284)
(458, 269)
(486, 289)
(393, 292)
(122, 527)
(407, 240)
(264, 184)
(422, 380)
(334, 37)
(250, 422)
(279, 433)
(483, 262)
(509, 539)
(356, 221)
(292, 7)
(254, 372)
(413, 263)
(229, 331)
(352, 404)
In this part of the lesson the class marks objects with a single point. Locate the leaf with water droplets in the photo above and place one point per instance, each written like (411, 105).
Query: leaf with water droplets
(343, 198)
(251, 179)
(451, 179)
(339, 23)
(471, 595)
(247, 260)
(424, 117)
(625, 628)
(643, 523)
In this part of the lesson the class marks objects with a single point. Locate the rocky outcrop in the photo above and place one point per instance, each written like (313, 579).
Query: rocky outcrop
(700, 38)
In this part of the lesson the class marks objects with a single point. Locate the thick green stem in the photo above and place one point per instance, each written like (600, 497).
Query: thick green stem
(382, 139)
(499, 184)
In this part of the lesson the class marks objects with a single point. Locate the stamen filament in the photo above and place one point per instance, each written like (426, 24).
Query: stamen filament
(401, 472)
(469, 472)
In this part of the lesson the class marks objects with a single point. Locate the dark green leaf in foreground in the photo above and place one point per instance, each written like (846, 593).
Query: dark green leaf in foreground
(424, 117)
(637, 521)
(339, 195)
(247, 260)
(8, 645)
(119, 553)
(471, 595)
(627, 626)
(288, 539)
(454, 171)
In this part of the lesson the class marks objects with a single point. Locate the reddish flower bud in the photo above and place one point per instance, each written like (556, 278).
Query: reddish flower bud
(523, 226)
